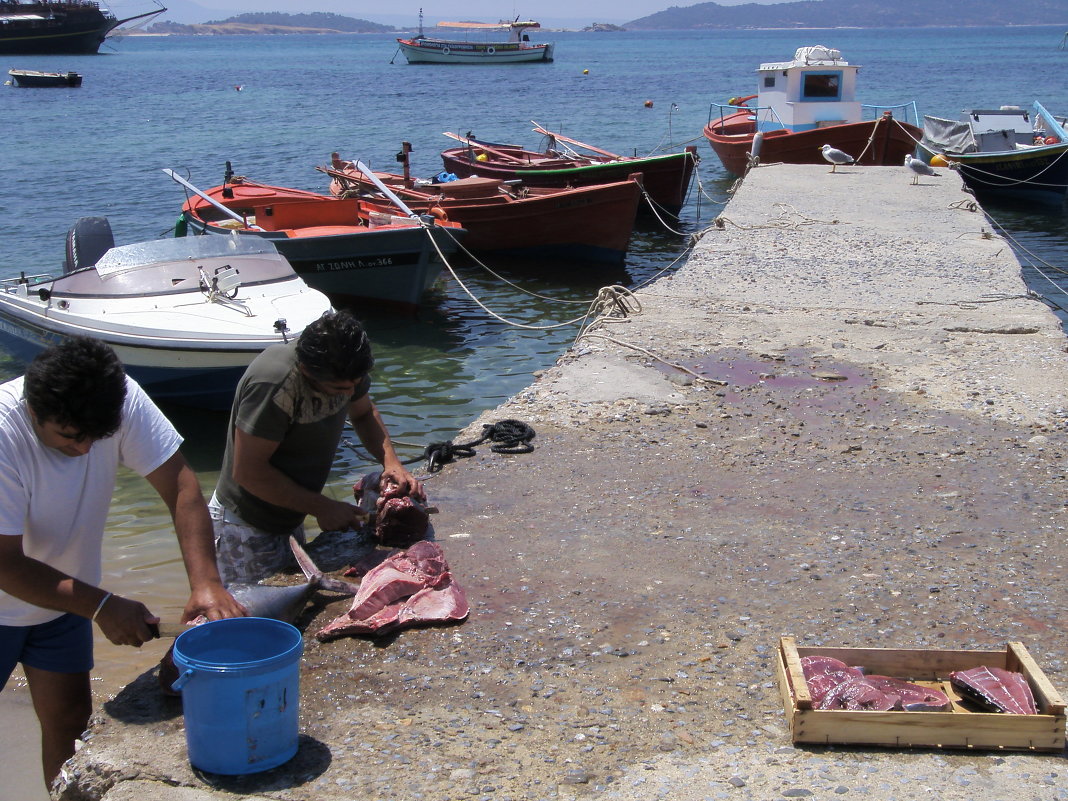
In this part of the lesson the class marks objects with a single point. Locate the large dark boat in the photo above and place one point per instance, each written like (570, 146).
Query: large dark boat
(65, 27)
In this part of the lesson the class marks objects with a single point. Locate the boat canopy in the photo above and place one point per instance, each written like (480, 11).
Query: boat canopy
(948, 136)
(811, 56)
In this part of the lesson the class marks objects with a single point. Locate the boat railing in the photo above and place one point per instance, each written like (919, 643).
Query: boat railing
(24, 283)
(765, 117)
(903, 112)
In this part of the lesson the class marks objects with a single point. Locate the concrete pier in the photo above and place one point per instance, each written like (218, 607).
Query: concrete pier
(882, 466)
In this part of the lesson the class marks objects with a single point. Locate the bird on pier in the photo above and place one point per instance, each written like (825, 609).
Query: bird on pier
(918, 168)
(834, 157)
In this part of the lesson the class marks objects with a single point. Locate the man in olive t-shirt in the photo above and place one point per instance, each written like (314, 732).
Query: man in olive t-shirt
(287, 420)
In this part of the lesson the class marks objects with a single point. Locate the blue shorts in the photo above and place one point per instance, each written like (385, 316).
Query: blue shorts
(63, 645)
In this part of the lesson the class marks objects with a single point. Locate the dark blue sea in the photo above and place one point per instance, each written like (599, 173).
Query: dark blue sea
(153, 102)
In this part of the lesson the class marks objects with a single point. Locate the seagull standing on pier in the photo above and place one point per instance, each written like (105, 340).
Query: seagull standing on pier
(834, 157)
(918, 168)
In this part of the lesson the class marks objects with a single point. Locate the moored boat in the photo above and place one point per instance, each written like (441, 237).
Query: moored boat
(1009, 152)
(185, 316)
(666, 177)
(43, 27)
(35, 79)
(588, 223)
(344, 247)
(515, 49)
(802, 105)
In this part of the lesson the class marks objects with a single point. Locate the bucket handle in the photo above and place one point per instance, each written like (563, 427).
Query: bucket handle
(181, 681)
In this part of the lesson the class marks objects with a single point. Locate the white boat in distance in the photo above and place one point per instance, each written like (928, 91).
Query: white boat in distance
(516, 49)
(185, 316)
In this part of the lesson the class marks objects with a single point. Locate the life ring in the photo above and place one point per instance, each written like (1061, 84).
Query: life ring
(444, 51)
(439, 213)
(490, 50)
(1051, 140)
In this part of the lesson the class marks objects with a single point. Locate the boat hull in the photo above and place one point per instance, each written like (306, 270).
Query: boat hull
(441, 52)
(591, 223)
(1038, 174)
(665, 179)
(60, 29)
(33, 80)
(333, 244)
(731, 139)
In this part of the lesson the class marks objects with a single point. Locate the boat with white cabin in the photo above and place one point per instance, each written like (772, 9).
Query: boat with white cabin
(516, 49)
(185, 316)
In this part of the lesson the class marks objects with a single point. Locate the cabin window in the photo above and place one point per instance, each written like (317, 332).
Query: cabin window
(769, 81)
(821, 86)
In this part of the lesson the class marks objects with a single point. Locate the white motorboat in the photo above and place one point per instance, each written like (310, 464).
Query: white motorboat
(185, 316)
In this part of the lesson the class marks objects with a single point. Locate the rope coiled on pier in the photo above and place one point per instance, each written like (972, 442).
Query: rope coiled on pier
(507, 436)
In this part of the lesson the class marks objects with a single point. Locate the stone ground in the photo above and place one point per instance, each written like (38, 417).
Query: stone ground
(884, 466)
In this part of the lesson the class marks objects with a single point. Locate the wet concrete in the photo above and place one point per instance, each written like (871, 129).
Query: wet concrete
(884, 467)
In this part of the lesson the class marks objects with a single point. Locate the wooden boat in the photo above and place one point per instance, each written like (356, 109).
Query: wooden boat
(1009, 152)
(185, 316)
(516, 49)
(47, 27)
(346, 248)
(802, 105)
(665, 178)
(588, 223)
(32, 78)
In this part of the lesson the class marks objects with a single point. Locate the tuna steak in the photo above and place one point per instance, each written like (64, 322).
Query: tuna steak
(859, 696)
(914, 697)
(399, 518)
(408, 588)
(1001, 690)
(824, 673)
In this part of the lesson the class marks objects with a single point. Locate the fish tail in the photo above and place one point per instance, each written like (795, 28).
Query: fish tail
(311, 571)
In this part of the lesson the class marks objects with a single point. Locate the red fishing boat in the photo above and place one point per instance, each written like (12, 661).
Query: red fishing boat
(590, 223)
(802, 105)
(349, 249)
(665, 177)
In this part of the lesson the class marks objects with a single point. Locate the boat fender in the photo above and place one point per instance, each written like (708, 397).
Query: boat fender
(439, 213)
(181, 225)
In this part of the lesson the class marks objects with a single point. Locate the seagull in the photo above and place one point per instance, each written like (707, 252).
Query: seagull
(918, 168)
(835, 157)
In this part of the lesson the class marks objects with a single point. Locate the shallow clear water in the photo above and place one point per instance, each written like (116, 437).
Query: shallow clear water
(156, 102)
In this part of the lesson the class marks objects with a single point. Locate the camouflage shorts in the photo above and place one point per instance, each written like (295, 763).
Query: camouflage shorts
(245, 554)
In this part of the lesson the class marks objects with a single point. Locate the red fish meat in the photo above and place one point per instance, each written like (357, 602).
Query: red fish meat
(914, 697)
(400, 519)
(859, 696)
(824, 673)
(1001, 690)
(408, 588)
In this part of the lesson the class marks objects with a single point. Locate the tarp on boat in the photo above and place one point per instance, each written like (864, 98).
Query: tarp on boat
(948, 136)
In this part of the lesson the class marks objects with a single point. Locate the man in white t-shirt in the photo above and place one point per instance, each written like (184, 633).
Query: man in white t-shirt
(65, 427)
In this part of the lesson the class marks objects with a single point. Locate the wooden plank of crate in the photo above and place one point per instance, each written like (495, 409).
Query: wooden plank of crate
(1049, 700)
(910, 664)
(931, 729)
(795, 674)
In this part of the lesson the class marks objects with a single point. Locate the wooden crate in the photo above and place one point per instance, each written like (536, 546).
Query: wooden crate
(961, 727)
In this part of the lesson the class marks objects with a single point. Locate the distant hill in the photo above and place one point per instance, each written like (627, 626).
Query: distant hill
(275, 23)
(857, 14)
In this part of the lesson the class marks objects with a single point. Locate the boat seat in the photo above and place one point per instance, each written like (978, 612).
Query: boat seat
(303, 214)
(87, 240)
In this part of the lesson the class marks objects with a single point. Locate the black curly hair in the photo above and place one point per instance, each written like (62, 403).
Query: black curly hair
(79, 383)
(335, 348)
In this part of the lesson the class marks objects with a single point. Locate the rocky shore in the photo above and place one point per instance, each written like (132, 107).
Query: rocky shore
(865, 448)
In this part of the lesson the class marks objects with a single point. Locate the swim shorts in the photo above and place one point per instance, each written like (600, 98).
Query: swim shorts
(63, 645)
(246, 554)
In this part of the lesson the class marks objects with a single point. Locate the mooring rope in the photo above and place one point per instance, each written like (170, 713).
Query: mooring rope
(507, 436)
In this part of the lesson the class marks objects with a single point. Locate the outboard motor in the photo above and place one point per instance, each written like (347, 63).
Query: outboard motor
(88, 240)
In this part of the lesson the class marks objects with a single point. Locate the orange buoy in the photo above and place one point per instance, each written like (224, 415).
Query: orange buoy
(439, 213)
(1051, 140)
(938, 160)
(648, 103)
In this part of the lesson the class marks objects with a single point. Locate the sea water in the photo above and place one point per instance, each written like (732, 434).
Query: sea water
(276, 106)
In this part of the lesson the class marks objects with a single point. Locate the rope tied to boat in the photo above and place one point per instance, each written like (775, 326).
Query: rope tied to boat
(507, 436)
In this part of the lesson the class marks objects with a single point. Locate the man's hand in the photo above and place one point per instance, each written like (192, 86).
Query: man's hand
(333, 515)
(126, 622)
(408, 483)
(212, 602)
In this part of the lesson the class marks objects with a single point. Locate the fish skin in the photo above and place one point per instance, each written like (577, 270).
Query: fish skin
(1002, 690)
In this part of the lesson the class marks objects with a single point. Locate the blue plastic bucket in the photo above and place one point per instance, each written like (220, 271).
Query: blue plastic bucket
(240, 683)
